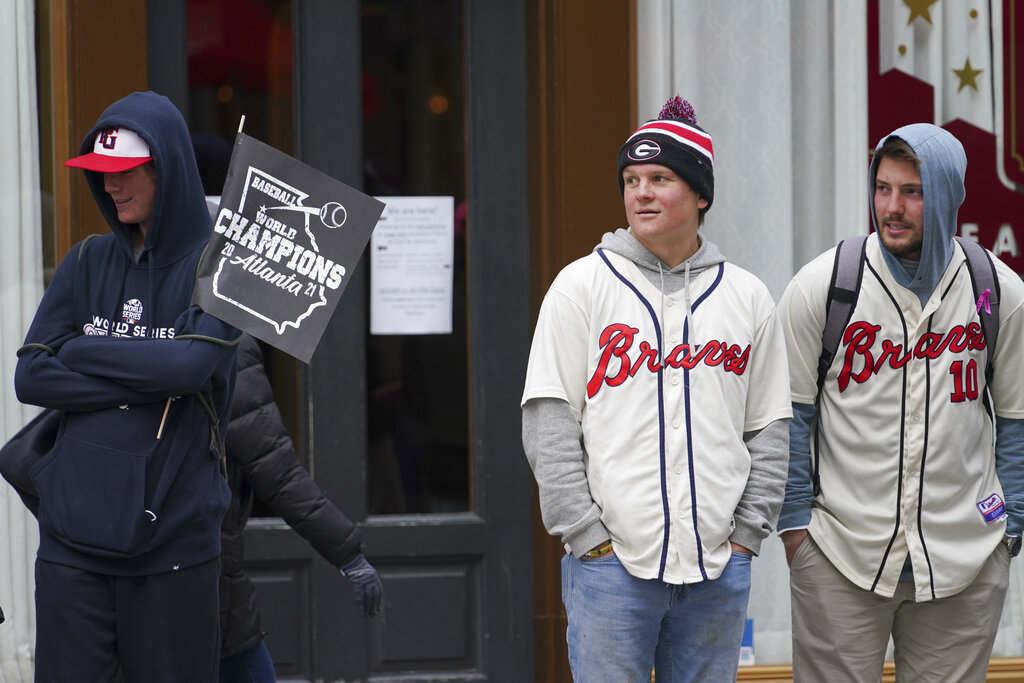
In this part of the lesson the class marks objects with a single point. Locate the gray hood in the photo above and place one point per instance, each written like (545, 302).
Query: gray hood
(668, 281)
(623, 243)
(943, 166)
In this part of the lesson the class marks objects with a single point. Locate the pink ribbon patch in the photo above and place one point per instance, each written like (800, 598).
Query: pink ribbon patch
(983, 301)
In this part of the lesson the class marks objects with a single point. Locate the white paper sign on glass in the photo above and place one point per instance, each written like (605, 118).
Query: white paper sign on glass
(412, 253)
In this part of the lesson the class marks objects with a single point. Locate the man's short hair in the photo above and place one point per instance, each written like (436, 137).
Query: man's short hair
(897, 149)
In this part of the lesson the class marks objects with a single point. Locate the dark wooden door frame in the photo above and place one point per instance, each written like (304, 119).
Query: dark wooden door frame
(497, 533)
(582, 107)
(494, 540)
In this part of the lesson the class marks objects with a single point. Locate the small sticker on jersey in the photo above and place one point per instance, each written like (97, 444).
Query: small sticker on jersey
(992, 509)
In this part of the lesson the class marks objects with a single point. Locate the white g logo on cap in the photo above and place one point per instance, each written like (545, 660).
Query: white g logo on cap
(644, 149)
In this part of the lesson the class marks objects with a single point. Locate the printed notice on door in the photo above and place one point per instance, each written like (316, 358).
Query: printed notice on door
(411, 266)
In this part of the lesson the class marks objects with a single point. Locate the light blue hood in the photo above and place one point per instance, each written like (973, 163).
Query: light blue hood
(943, 166)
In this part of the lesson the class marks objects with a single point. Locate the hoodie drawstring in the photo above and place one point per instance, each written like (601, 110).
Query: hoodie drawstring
(661, 290)
(688, 326)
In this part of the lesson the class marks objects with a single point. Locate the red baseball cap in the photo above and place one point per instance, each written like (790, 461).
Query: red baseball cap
(116, 150)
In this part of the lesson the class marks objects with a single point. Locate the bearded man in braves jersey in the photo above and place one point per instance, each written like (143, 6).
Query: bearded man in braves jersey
(906, 532)
(655, 420)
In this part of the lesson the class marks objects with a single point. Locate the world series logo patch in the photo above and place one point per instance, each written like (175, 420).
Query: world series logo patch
(992, 509)
(131, 312)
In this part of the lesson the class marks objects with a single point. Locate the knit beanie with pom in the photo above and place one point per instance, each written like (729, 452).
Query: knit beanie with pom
(676, 141)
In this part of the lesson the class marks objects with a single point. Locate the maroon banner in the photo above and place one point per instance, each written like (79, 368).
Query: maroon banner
(1013, 96)
(993, 212)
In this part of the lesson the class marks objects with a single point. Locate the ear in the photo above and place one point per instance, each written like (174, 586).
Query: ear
(702, 203)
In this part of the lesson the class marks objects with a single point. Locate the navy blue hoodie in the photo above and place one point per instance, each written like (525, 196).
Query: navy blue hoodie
(117, 346)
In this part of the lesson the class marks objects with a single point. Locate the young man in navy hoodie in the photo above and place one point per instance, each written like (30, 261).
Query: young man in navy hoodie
(133, 492)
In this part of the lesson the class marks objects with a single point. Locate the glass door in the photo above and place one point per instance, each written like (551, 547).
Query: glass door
(415, 437)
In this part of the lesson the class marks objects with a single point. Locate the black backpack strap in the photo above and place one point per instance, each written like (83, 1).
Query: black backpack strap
(217, 450)
(843, 290)
(985, 283)
(85, 241)
(44, 347)
(842, 299)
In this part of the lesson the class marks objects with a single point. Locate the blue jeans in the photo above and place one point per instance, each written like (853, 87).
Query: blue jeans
(621, 627)
(251, 666)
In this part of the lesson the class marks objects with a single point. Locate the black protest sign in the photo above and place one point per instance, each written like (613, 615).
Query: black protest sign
(285, 242)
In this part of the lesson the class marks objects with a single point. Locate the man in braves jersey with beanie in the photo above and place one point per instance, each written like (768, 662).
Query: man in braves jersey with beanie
(655, 420)
(904, 521)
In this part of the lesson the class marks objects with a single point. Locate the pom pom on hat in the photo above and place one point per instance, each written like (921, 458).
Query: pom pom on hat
(675, 141)
(679, 109)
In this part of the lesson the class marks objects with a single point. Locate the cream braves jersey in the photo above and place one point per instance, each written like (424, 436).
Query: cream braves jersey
(663, 402)
(906, 459)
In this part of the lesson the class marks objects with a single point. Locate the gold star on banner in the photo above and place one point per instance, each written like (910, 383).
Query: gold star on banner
(967, 76)
(920, 8)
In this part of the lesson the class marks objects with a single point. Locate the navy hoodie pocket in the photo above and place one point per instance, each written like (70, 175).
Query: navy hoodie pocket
(93, 498)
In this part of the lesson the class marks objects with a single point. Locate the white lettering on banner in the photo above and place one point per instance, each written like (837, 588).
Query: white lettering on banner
(273, 242)
(266, 266)
(258, 266)
(232, 230)
(273, 224)
(1004, 244)
(273, 191)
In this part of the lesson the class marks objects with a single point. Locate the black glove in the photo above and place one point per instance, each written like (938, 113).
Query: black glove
(1, 615)
(365, 584)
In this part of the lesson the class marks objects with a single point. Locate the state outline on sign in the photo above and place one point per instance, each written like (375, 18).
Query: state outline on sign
(333, 206)
(279, 327)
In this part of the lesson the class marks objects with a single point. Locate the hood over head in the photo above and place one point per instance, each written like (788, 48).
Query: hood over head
(180, 219)
(943, 167)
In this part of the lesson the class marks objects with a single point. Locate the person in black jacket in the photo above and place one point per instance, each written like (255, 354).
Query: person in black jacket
(262, 463)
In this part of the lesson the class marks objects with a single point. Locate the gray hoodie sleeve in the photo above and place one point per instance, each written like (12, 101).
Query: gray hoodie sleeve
(553, 441)
(758, 509)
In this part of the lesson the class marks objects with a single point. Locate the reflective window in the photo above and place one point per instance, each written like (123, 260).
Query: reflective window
(240, 63)
(414, 145)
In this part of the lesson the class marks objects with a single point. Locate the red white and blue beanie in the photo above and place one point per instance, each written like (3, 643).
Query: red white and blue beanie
(676, 141)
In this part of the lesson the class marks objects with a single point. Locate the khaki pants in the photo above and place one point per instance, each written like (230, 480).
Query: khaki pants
(841, 631)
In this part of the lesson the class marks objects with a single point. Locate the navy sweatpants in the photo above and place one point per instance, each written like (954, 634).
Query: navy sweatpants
(163, 628)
